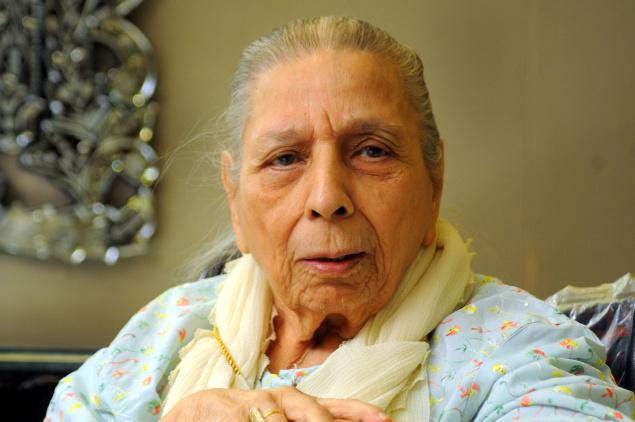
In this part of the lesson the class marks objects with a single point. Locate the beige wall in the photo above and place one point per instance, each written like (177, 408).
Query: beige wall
(535, 99)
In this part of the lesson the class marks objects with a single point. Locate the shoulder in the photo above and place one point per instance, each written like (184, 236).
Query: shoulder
(497, 311)
(125, 379)
(495, 314)
(505, 346)
(167, 318)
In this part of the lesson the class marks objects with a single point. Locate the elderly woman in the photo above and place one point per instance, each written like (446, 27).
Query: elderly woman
(351, 300)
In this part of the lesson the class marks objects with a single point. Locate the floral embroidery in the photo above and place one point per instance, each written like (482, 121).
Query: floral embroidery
(614, 416)
(563, 389)
(154, 407)
(569, 344)
(537, 354)
(470, 308)
(477, 363)
(526, 401)
(454, 330)
(470, 391)
(577, 369)
(500, 369)
(508, 324)
(433, 368)
(609, 393)
(96, 400)
(286, 377)
(74, 407)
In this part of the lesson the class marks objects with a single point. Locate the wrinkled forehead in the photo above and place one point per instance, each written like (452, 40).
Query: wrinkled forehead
(338, 88)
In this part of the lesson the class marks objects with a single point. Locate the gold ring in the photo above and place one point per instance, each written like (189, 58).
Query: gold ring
(272, 412)
(255, 415)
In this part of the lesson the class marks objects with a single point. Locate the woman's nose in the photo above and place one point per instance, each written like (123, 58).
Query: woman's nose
(328, 185)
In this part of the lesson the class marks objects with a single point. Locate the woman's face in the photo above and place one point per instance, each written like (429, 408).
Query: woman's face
(334, 199)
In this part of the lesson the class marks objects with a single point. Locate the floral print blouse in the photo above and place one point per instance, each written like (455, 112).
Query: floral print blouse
(504, 356)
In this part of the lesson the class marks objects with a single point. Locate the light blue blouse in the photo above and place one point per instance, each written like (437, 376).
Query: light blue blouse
(504, 356)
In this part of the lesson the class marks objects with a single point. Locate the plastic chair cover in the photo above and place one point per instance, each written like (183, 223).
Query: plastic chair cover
(608, 310)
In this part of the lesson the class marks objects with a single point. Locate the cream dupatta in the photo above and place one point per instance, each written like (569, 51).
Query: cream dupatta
(384, 364)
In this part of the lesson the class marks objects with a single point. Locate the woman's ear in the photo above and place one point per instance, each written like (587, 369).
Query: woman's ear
(227, 162)
(437, 190)
(231, 193)
(437, 180)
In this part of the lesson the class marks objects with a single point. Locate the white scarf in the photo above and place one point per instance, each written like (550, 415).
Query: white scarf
(384, 364)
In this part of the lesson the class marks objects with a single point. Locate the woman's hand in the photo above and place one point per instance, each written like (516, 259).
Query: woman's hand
(233, 405)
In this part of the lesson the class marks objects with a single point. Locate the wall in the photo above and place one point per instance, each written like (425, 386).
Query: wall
(535, 100)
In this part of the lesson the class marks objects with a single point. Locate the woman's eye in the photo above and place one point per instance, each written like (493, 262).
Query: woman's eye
(373, 152)
(285, 160)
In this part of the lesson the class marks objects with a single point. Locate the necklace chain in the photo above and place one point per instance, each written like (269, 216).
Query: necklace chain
(232, 363)
(225, 351)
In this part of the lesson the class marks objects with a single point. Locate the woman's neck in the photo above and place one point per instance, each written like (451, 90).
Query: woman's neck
(301, 342)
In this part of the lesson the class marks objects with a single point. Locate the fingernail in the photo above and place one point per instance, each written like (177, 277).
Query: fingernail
(384, 417)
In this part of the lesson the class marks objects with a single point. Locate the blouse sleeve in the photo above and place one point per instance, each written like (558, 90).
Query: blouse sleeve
(509, 356)
(124, 381)
(76, 397)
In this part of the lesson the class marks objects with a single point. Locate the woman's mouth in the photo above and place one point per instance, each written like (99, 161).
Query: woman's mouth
(335, 265)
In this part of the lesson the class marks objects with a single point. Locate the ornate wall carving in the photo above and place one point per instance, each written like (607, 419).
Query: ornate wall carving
(76, 119)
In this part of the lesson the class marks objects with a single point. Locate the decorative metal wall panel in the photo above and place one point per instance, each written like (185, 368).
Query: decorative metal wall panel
(76, 119)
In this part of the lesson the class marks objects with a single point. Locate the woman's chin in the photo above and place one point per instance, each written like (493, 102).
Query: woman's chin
(337, 297)
(354, 294)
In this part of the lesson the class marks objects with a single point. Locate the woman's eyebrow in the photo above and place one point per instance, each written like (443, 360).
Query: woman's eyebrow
(285, 136)
(273, 139)
(369, 126)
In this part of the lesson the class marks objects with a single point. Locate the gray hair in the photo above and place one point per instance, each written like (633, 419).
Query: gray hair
(300, 38)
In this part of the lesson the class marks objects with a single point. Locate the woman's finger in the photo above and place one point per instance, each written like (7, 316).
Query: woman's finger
(266, 414)
(299, 407)
(354, 410)
(272, 413)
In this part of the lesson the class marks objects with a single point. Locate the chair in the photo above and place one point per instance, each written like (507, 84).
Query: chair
(609, 311)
